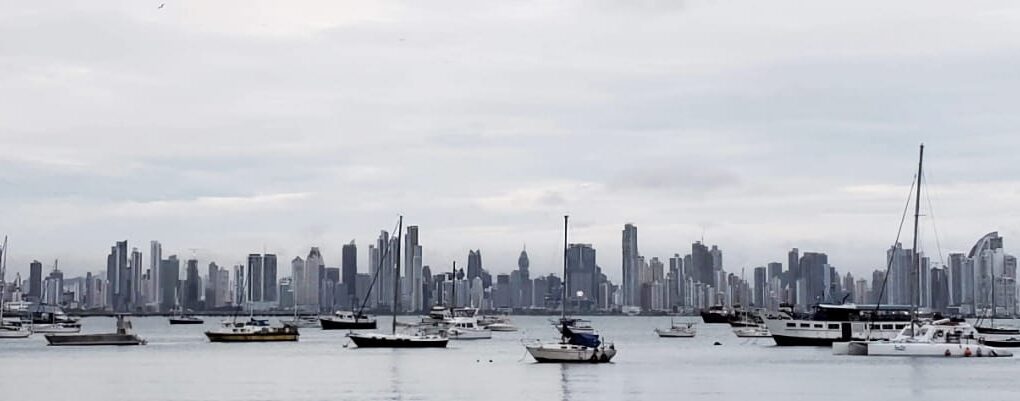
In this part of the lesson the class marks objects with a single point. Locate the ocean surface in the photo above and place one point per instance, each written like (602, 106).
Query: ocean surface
(180, 364)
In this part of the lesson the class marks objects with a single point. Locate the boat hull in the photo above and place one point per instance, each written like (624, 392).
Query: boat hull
(55, 329)
(933, 350)
(996, 330)
(250, 337)
(93, 339)
(391, 341)
(1004, 343)
(176, 321)
(674, 334)
(825, 333)
(13, 334)
(708, 317)
(501, 327)
(455, 334)
(332, 324)
(752, 332)
(563, 353)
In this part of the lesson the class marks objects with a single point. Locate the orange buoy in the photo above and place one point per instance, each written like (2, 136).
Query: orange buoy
(966, 352)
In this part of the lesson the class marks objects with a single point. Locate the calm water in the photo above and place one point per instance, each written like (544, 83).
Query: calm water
(180, 364)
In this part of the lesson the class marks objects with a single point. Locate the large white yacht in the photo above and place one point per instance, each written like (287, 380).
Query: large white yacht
(838, 323)
(941, 338)
(466, 328)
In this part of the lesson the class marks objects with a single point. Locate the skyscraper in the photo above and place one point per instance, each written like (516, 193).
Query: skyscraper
(155, 260)
(136, 271)
(701, 264)
(269, 281)
(760, 276)
(631, 273)
(474, 268)
(349, 271)
(35, 280)
(117, 277)
(582, 277)
(297, 277)
(310, 285)
(412, 268)
(192, 286)
(170, 274)
(255, 277)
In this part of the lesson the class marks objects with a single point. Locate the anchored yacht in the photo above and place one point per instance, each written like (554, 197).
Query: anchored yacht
(838, 323)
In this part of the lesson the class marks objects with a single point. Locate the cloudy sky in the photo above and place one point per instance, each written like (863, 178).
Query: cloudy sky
(220, 128)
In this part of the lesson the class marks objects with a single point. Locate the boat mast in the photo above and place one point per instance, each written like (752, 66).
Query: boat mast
(917, 265)
(453, 288)
(563, 308)
(396, 274)
(3, 284)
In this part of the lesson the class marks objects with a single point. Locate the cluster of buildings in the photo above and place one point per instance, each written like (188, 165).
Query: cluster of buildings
(976, 282)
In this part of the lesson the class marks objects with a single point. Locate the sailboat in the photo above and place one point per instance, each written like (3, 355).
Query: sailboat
(991, 329)
(677, 331)
(943, 337)
(299, 321)
(253, 330)
(5, 330)
(179, 317)
(573, 346)
(394, 339)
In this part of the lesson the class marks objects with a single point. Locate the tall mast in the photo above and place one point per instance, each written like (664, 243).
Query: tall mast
(917, 259)
(563, 308)
(453, 288)
(396, 274)
(3, 284)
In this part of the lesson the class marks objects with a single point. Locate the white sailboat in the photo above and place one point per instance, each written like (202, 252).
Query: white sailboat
(573, 346)
(8, 331)
(677, 331)
(941, 338)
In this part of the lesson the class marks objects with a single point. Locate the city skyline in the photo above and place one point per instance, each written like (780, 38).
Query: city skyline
(679, 120)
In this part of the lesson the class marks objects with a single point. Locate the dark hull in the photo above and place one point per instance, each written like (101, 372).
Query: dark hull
(1002, 343)
(544, 360)
(93, 339)
(743, 324)
(714, 317)
(250, 338)
(372, 342)
(330, 324)
(185, 321)
(787, 341)
(996, 330)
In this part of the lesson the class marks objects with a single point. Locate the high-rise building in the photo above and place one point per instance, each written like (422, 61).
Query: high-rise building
(135, 273)
(118, 286)
(412, 268)
(192, 286)
(310, 285)
(35, 284)
(793, 272)
(297, 278)
(701, 264)
(631, 273)
(155, 260)
(760, 277)
(255, 275)
(816, 279)
(901, 273)
(269, 280)
(170, 275)
(349, 271)
(583, 277)
(212, 280)
(474, 267)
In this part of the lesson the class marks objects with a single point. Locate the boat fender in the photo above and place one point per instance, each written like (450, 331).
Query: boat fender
(979, 351)
(594, 356)
(948, 353)
(966, 351)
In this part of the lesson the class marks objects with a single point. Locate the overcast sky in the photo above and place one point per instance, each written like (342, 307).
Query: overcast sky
(220, 128)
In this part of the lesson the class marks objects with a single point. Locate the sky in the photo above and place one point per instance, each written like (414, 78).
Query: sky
(229, 127)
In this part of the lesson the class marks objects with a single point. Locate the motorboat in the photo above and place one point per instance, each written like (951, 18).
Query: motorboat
(464, 328)
(715, 314)
(182, 319)
(677, 331)
(743, 318)
(838, 323)
(752, 332)
(252, 330)
(344, 320)
(55, 328)
(301, 322)
(12, 332)
(940, 338)
(576, 325)
(123, 336)
(502, 326)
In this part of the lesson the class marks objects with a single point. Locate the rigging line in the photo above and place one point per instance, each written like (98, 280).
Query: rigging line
(368, 295)
(888, 266)
(931, 213)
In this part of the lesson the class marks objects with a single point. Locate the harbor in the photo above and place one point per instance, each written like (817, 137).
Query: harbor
(323, 365)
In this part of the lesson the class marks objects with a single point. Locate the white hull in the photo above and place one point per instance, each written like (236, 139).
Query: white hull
(824, 333)
(752, 332)
(11, 334)
(567, 353)
(876, 348)
(678, 333)
(55, 329)
(461, 334)
(501, 327)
